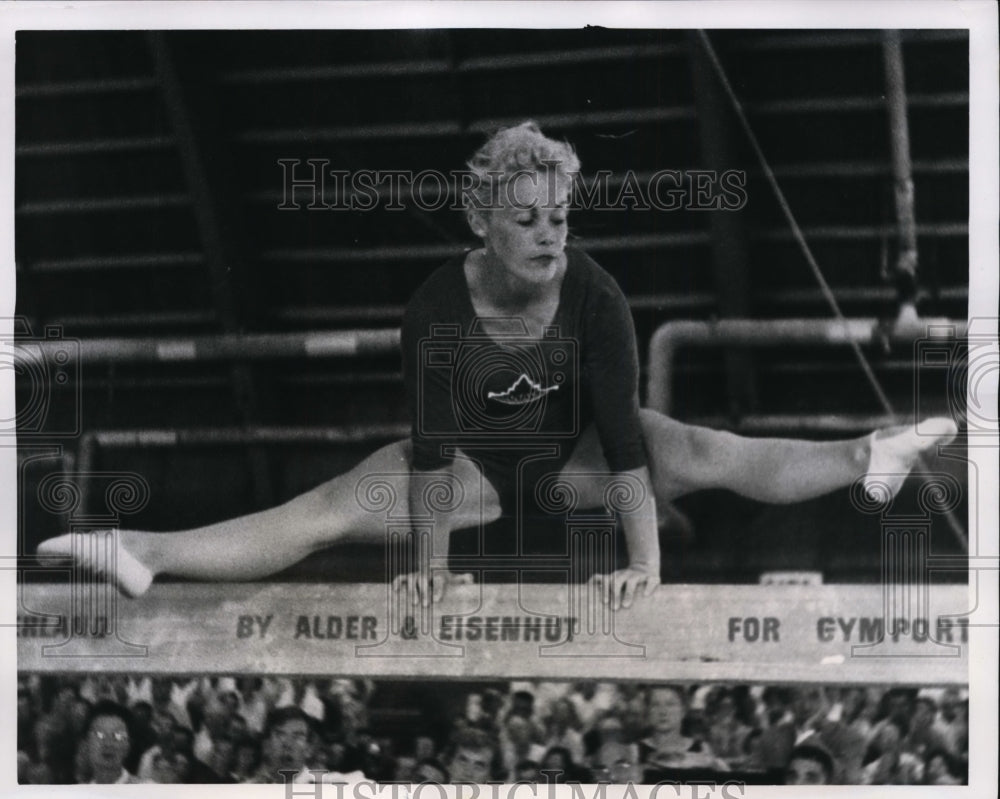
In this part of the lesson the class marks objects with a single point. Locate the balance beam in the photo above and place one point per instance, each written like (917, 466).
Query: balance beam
(781, 634)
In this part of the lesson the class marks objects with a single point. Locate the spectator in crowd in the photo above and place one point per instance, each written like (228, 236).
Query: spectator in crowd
(55, 738)
(222, 758)
(941, 769)
(910, 743)
(882, 764)
(752, 755)
(424, 748)
(247, 758)
(544, 693)
(473, 758)
(726, 733)
(616, 762)
(923, 736)
(522, 703)
(607, 731)
(592, 699)
(809, 764)
(287, 746)
(953, 723)
(108, 742)
(25, 722)
(777, 706)
(666, 746)
(558, 767)
(169, 769)
(172, 760)
(197, 772)
(165, 702)
(144, 736)
(562, 729)
(519, 740)
(631, 709)
(810, 721)
(375, 758)
(431, 770)
(857, 711)
(897, 707)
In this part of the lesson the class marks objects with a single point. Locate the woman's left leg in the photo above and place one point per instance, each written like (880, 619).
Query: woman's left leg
(685, 458)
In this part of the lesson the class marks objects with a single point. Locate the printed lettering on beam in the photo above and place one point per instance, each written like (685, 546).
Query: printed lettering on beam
(774, 633)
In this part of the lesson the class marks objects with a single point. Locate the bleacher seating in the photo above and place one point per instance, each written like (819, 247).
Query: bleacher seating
(147, 194)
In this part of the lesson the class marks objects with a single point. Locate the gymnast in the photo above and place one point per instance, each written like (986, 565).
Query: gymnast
(495, 429)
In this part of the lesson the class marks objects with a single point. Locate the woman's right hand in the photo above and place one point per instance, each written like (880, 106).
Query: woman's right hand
(423, 588)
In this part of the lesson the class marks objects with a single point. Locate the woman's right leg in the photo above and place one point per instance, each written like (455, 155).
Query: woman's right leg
(259, 544)
(350, 507)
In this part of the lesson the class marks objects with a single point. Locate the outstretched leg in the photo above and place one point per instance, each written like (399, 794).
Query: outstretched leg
(351, 507)
(684, 458)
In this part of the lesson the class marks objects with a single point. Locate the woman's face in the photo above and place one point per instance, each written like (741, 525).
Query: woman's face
(888, 738)
(554, 761)
(726, 709)
(562, 712)
(246, 757)
(526, 235)
(936, 768)
(666, 710)
(109, 742)
(518, 730)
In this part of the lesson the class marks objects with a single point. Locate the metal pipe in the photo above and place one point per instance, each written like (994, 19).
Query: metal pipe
(406, 130)
(245, 347)
(152, 438)
(837, 105)
(852, 232)
(638, 241)
(146, 320)
(139, 83)
(359, 71)
(165, 260)
(902, 167)
(551, 58)
(93, 440)
(85, 454)
(770, 332)
(423, 252)
(123, 144)
(789, 40)
(85, 205)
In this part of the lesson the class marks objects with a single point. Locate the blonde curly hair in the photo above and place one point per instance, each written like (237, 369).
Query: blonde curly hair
(516, 150)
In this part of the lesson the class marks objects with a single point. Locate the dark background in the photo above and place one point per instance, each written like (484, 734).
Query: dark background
(147, 186)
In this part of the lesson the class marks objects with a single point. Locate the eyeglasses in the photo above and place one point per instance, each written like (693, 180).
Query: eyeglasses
(118, 737)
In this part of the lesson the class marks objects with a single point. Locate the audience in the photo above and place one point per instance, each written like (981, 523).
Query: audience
(98, 729)
(809, 764)
(106, 740)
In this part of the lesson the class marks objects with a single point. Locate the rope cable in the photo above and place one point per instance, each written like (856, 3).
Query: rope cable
(814, 267)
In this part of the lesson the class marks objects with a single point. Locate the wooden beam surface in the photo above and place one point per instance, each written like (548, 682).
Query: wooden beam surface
(683, 633)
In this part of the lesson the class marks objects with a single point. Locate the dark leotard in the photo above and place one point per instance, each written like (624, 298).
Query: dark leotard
(515, 404)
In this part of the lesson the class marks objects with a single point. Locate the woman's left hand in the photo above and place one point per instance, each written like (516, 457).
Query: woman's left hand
(621, 586)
